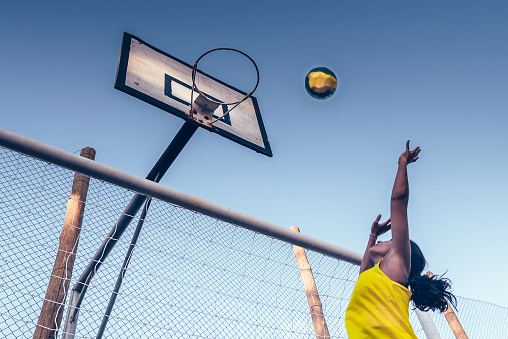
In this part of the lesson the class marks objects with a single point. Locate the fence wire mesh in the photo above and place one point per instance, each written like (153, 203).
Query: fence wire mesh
(479, 319)
(190, 275)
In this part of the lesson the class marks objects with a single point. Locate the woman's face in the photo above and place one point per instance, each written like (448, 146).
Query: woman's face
(379, 250)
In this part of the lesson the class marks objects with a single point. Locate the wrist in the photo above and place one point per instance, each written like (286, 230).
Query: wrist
(373, 235)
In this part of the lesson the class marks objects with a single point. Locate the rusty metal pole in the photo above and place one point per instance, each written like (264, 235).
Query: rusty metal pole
(316, 308)
(452, 319)
(52, 307)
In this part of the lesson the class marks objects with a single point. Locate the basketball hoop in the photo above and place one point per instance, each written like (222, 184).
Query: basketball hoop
(217, 103)
(168, 83)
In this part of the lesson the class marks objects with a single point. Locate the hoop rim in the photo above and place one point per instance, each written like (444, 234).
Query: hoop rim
(195, 67)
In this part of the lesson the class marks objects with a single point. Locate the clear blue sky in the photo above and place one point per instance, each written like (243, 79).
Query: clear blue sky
(431, 71)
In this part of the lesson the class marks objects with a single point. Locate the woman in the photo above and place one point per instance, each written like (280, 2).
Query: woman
(379, 304)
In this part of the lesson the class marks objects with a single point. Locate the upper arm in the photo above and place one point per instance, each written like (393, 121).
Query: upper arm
(400, 227)
(366, 264)
(398, 261)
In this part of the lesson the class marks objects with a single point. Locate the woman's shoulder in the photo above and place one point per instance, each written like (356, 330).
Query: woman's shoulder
(394, 269)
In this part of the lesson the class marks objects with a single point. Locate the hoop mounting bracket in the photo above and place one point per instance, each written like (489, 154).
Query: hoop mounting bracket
(202, 110)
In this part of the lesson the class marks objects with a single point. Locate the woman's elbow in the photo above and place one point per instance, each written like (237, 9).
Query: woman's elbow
(400, 197)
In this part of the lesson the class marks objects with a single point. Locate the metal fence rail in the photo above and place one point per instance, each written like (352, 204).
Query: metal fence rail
(195, 271)
(149, 188)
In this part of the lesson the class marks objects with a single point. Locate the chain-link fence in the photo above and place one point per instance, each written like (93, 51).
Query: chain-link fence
(190, 275)
(480, 320)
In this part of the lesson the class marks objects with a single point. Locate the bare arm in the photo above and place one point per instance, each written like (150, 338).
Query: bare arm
(398, 261)
(376, 230)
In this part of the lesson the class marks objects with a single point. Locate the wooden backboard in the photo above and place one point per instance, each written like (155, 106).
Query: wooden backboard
(162, 80)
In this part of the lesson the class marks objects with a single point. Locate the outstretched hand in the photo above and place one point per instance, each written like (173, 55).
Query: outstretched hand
(409, 156)
(377, 229)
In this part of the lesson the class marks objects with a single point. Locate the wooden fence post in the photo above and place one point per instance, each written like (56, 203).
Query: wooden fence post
(52, 307)
(316, 308)
(452, 319)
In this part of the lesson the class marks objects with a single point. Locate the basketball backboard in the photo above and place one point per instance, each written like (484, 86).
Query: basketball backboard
(164, 81)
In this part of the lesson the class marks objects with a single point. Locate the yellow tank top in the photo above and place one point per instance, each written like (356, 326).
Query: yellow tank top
(378, 308)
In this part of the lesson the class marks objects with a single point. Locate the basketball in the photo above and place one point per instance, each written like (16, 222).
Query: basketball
(320, 83)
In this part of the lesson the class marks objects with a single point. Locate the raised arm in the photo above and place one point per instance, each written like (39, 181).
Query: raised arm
(398, 261)
(376, 230)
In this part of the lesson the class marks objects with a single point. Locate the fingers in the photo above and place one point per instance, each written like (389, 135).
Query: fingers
(377, 219)
(412, 156)
(416, 150)
(384, 228)
(386, 222)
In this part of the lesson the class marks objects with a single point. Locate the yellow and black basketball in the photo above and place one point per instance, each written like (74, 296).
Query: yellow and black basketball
(321, 83)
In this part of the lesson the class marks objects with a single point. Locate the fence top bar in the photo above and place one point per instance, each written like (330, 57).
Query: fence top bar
(143, 186)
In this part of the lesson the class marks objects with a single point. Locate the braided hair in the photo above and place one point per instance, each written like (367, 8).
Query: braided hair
(429, 293)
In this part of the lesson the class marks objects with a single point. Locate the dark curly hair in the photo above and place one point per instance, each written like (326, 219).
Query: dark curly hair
(429, 293)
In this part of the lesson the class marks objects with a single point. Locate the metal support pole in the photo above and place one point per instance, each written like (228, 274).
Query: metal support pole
(70, 326)
(124, 269)
(157, 172)
(428, 326)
